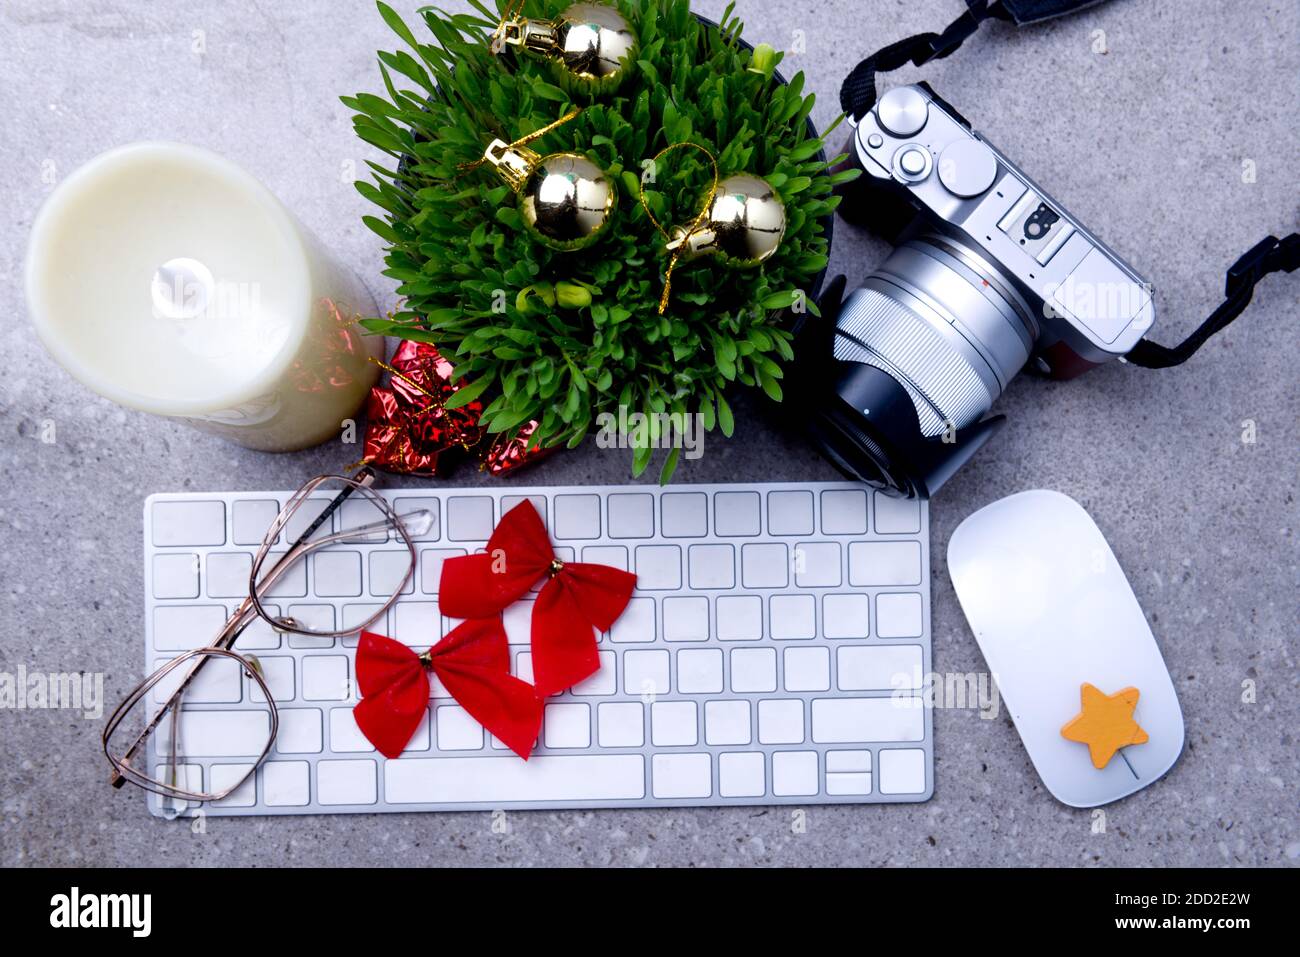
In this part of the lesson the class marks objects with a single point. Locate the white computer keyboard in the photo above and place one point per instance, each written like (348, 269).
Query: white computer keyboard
(769, 655)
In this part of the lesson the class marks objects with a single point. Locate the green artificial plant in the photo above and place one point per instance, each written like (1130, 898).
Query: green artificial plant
(562, 337)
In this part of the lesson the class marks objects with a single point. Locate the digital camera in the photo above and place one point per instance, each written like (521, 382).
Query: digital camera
(989, 273)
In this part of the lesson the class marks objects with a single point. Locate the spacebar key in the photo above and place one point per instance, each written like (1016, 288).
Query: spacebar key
(578, 777)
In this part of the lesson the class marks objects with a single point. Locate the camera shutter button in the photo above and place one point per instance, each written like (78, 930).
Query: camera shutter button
(902, 111)
(967, 168)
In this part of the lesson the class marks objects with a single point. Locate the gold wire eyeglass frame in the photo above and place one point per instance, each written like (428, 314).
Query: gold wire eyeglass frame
(259, 585)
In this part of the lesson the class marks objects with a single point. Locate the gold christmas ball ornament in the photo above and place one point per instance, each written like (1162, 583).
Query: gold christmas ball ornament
(591, 44)
(566, 200)
(743, 225)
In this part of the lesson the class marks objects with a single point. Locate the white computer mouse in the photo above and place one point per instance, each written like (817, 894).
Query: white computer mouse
(1073, 656)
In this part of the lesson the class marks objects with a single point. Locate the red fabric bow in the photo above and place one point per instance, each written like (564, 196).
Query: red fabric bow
(578, 597)
(473, 663)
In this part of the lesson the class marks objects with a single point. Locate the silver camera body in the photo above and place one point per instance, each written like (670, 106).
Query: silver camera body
(989, 271)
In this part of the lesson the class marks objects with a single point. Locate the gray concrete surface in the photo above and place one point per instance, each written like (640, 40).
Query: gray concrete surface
(1145, 141)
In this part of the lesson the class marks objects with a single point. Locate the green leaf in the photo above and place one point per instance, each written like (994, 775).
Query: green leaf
(468, 393)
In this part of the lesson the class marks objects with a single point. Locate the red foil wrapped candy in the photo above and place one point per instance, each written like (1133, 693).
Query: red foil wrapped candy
(409, 428)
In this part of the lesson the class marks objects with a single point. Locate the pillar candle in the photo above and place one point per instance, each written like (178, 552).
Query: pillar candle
(169, 280)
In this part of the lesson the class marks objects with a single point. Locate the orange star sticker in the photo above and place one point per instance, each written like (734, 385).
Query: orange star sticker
(1106, 723)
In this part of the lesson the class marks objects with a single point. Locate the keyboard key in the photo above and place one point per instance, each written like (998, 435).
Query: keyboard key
(902, 771)
(325, 678)
(603, 682)
(577, 516)
(251, 520)
(457, 731)
(645, 673)
(736, 513)
(794, 617)
(387, 569)
(765, 565)
(285, 783)
(794, 773)
(621, 724)
(726, 722)
(501, 781)
(817, 565)
(431, 560)
(300, 731)
(699, 671)
(523, 670)
(356, 513)
(790, 513)
(315, 618)
(899, 616)
(682, 775)
(844, 512)
(228, 574)
(567, 726)
(508, 502)
(218, 734)
(225, 776)
(187, 776)
(420, 740)
(305, 516)
(753, 669)
(347, 782)
(686, 619)
(336, 573)
(345, 736)
(741, 774)
(259, 635)
(517, 620)
(712, 566)
(848, 761)
(674, 724)
(684, 514)
(844, 720)
(846, 616)
(884, 563)
(176, 575)
(842, 784)
(615, 556)
(292, 582)
(188, 523)
(417, 624)
(740, 617)
(637, 623)
(897, 516)
(469, 518)
(277, 672)
(219, 681)
(405, 506)
(848, 773)
(186, 627)
(780, 721)
(658, 567)
(807, 669)
(355, 617)
(631, 515)
(878, 667)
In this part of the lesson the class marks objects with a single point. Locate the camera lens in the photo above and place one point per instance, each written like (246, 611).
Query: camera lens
(945, 324)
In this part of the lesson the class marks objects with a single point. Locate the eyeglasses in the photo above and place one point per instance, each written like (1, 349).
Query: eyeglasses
(215, 673)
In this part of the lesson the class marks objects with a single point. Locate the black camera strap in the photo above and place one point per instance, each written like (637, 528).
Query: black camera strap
(858, 93)
(1269, 255)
